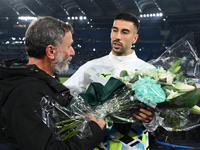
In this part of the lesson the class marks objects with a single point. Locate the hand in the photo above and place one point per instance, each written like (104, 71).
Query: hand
(145, 114)
(101, 122)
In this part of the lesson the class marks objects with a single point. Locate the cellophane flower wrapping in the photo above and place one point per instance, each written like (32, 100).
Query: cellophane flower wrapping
(179, 118)
(171, 93)
(117, 107)
(185, 49)
(66, 121)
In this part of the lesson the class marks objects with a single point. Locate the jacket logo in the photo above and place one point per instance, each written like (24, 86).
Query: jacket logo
(105, 75)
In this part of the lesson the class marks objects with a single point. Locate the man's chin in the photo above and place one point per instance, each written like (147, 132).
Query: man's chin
(61, 69)
(117, 51)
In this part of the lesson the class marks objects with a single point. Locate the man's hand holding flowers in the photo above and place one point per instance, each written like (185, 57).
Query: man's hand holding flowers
(145, 114)
(100, 122)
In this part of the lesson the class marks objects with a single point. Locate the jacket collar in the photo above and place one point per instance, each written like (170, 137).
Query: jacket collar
(123, 58)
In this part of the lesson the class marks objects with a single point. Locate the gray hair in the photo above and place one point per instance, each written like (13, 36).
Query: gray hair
(43, 32)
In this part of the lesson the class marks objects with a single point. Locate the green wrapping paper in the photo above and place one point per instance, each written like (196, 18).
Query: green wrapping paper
(97, 94)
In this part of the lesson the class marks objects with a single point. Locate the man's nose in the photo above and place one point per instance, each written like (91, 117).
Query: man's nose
(118, 35)
(72, 51)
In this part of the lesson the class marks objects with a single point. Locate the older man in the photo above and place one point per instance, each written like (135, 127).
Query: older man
(48, 44)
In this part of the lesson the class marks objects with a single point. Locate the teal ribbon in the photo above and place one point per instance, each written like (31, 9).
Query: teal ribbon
(97, 94)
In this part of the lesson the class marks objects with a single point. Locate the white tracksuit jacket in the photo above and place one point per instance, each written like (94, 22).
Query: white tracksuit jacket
(100, 70)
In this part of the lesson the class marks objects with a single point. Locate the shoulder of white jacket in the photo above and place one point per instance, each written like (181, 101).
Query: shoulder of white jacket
(96, 60)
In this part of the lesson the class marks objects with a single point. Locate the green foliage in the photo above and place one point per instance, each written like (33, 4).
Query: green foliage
(176, 66)
(123, 73)
(62, 80)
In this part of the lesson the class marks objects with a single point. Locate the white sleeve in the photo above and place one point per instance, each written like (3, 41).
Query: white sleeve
(78, 82)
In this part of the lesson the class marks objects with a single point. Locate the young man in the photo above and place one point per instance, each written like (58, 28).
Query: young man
(48, 44)
(121, 57)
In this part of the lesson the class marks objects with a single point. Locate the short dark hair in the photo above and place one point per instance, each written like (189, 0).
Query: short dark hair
(42, 32)
(128, 17)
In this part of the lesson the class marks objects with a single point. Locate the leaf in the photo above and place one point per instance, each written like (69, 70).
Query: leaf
(134, 79)
(177, 69)
(187, 100)
(180, 78)
(167, 87)
(123, 73)
(192, 82)
(176, 66)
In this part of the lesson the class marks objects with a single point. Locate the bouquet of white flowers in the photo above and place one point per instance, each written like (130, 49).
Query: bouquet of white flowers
(169, 91)
(173, 95)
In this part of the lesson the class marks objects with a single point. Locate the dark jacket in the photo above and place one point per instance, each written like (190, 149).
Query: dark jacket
(21, 90)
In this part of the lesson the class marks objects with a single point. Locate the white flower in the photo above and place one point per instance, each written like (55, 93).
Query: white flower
(184, 87)
(171, 94)
(168, 76)
(195, 110)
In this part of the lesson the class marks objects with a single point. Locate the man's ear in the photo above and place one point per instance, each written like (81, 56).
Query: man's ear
(135, 38)
(50, 51)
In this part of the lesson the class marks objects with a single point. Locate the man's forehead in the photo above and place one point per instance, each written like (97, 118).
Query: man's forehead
(122, 24)
(68, 37)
